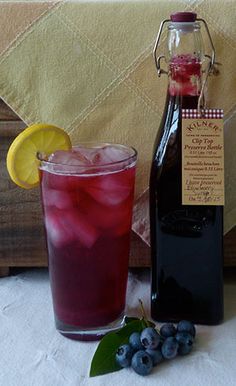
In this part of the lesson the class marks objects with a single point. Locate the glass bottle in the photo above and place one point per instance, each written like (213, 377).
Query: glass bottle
(186, 241)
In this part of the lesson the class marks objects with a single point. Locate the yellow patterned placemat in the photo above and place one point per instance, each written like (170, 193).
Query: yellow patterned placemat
(87, 66)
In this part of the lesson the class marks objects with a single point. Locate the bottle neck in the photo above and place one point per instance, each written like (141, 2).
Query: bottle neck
(184, 77)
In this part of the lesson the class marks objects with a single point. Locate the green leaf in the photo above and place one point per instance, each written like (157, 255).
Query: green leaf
(129, 319)
(104, 359)
(146, 323)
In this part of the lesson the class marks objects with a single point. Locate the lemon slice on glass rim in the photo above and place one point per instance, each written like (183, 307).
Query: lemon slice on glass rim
(24, 153)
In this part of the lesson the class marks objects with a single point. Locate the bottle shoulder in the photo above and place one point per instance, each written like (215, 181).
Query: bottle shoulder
(168, 140)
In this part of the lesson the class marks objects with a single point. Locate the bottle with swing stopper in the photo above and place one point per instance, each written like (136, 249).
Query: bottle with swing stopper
(186, 240)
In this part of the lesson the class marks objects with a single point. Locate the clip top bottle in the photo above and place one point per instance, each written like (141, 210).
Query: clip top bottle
(186, 240)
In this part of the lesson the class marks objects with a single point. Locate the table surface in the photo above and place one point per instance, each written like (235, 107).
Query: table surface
(33, 353)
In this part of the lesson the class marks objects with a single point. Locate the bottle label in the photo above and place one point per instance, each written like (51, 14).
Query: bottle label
(202, 157)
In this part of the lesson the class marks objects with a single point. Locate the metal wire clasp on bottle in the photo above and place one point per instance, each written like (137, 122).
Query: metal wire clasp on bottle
(211, 68)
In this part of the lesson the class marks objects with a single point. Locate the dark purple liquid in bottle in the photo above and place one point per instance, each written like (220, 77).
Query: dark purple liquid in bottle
(186, 241)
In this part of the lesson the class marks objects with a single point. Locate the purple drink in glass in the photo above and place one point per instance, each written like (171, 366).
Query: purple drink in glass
(87, 196)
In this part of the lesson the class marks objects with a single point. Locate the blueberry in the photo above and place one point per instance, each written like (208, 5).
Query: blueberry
(150, 338)
(156, 356)
(170, 348)
(124, 355)
(135, 342)
(142, 363)
(162, 340)
(185, 325)
(168, 329)
(185, 341)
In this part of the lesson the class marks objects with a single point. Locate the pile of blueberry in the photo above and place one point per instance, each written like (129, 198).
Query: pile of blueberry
(151, 347)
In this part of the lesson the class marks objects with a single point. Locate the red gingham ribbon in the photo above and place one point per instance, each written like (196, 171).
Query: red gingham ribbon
(207, 113)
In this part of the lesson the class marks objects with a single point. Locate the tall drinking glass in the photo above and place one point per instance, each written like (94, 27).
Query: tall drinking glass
(87, 196)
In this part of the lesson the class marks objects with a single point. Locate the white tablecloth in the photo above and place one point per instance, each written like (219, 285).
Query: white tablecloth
(33, 353)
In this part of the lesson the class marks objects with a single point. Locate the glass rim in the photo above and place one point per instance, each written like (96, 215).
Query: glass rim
(75, 169)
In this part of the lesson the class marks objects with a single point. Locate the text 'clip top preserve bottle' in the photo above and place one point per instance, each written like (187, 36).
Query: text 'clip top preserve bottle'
(186, 240)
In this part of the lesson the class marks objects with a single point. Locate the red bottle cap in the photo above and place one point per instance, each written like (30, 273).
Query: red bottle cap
(183, 17)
